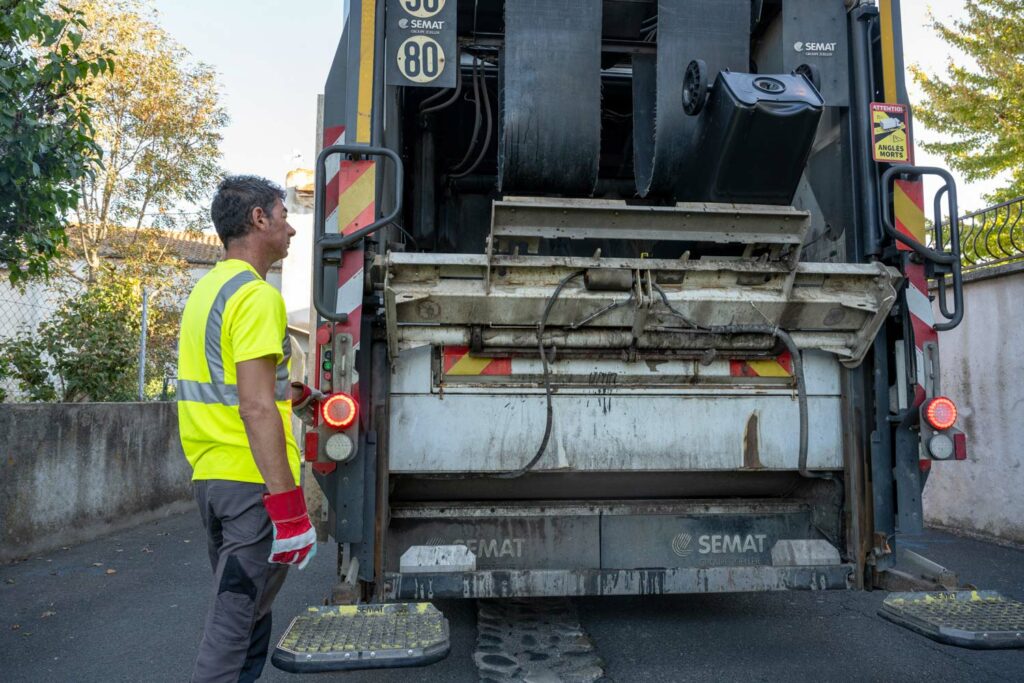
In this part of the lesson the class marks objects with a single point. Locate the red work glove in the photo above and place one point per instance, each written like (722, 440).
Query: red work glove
(294, 538)
(305, 400)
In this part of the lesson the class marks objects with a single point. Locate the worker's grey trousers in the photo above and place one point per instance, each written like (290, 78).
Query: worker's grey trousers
(237, 632)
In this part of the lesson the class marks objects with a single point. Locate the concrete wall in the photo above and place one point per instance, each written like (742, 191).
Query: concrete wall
(983, 372)
(72, 471)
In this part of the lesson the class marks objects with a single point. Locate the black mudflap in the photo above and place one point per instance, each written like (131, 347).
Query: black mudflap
(982, 620)
(363, 637)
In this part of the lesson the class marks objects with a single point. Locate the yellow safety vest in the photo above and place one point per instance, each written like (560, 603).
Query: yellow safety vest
(232, 315)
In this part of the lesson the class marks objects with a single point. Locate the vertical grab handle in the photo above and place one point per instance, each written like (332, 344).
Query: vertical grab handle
(948, 262)
(953, 317)
(324, 240)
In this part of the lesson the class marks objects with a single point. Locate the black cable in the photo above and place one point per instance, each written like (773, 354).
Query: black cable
(664, 300)
(490, 124)
(441, 92)
(451, 100)
(798, 372)
(547, 382)
(409, 235)
(476, 120)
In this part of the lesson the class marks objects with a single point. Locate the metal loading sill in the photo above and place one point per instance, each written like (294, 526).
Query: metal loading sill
(494, 303)
(578, 583)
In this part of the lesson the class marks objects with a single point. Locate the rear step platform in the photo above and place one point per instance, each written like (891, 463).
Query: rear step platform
(363, 637)
(981, 620)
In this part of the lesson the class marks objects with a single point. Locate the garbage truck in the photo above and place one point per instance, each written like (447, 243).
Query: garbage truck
(619, 297)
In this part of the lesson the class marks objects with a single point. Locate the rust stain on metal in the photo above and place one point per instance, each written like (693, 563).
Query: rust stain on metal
(752, 444)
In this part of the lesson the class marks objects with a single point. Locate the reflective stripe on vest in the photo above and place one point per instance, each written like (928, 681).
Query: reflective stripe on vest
(216, 391)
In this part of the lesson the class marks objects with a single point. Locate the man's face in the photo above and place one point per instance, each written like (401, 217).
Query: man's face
(277, 232)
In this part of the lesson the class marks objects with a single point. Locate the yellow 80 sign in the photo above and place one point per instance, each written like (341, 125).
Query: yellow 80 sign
(423, 8)
(421, 59)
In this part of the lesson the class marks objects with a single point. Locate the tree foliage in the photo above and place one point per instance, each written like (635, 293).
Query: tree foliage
(88, 349)
(158, 119)
(46, 135)
(979, 107)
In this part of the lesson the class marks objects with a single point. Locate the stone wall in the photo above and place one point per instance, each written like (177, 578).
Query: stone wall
(72, 471)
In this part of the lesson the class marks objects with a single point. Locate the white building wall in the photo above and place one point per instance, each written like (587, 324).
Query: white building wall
(295, 279)
(983, 372)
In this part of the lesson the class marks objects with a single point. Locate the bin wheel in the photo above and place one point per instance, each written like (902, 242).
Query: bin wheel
(695, 87)
(811, 73)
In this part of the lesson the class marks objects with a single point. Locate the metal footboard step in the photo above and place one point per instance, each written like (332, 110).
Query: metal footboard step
(980, 620)
(363, 637)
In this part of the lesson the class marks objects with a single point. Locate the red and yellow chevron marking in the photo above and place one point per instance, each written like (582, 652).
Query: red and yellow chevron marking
(908, 208)
(356, 191)
(456, 360)
(909, 213)
(782, 366)
(356, 207)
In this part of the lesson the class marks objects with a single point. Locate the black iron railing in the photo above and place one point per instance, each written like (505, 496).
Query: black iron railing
(992, 236)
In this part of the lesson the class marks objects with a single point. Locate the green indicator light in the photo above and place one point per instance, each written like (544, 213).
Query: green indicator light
(328, 365)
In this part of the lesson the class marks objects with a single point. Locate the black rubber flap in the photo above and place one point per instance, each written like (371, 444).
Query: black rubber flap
(550, 136)
(363, 637)
(981, 620)
(663, 135)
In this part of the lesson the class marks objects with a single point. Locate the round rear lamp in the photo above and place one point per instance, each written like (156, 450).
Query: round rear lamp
(339, 411)
(340, 448)
(940, 412)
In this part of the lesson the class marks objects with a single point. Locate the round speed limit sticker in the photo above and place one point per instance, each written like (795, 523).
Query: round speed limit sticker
(421, 59)
(423, 8)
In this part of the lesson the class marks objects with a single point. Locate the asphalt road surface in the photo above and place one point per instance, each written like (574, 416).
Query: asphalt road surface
(130, 607)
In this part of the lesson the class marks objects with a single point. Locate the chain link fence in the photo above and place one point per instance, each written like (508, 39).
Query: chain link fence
(22, 310)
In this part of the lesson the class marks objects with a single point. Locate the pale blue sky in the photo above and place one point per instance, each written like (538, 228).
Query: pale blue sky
(273, 57)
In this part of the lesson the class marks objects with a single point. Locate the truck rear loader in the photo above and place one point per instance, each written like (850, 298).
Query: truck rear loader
(620, 297)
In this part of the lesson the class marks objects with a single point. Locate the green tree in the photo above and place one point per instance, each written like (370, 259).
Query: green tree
(158, 119)
(46, 136)
(979, 107)
(88, 349)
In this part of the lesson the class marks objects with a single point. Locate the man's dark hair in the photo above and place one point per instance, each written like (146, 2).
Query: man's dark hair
(234, 201)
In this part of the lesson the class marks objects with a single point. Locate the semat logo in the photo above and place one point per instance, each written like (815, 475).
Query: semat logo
(815, 48)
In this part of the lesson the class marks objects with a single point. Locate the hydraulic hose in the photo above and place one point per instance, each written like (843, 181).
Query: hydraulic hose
(550, 417)
(424, 109)
(798, 372)
(489, 117)
(476, 119)
(770, 330)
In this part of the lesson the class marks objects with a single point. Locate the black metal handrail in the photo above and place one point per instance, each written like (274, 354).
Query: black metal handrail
(336, 243)
(938, 262)
(992, 236)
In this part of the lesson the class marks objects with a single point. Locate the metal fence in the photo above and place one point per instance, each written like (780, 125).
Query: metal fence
(993, 236)
(21, 312)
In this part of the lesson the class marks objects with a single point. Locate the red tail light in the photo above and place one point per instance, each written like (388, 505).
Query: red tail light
(940, 412)
(960, 446)
(339, 411)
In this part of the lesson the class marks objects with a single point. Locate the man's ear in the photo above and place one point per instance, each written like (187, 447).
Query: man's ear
(258, 217)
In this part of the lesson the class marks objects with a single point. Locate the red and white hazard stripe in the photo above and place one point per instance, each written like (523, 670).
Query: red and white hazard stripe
(356, 206)
(334, 135)
(909, 213)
